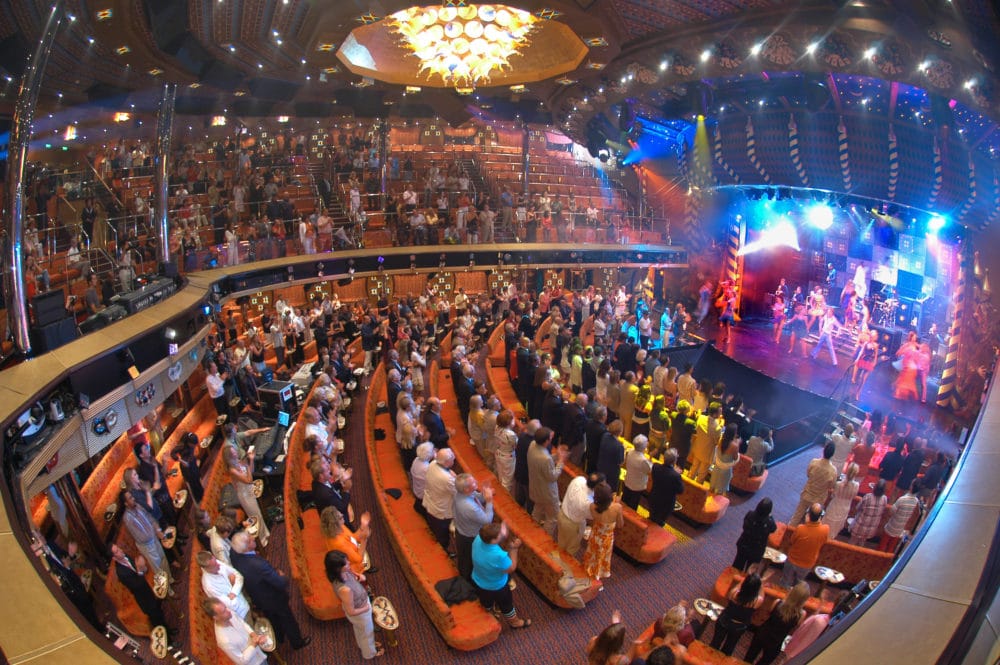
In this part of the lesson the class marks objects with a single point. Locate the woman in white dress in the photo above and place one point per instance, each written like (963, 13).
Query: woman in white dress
(232, 246)
(840, 505)
(505, 442)
(241, 474)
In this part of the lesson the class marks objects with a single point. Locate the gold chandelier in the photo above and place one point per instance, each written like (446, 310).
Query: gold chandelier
(463, 45)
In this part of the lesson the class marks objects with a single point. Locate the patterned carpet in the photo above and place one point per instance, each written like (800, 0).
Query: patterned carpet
(641, 592)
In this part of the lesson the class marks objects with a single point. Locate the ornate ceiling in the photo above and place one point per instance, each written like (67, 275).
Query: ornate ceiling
(655, 60)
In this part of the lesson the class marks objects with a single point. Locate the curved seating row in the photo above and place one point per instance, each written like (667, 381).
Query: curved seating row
(536, 562)
(855, 562)
(772, 594)
(465, 626)
(639, 538)
(496, 348)
(201, 628)
(306, 544)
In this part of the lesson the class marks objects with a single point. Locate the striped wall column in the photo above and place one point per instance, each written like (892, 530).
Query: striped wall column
(752, 152)
(735, 237)
(948, 386)
(893, 165)
(937, 170)
(973, 194)
(793, 150)
(721, 160)
(843, 151)
(996, 198)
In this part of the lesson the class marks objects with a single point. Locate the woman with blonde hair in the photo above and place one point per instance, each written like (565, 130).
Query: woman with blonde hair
(241, 475)
(354, 544)
(843, 496)
(785, 616)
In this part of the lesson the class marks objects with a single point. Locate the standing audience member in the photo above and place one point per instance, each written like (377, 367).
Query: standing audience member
(900, 514)
(868, 517)
(803, 549)
(606, 515)
(757, 526)
(843, 497)
(820, 478)
(786, 615)
(491, 569)
(667, 484)
(637, 471)
(269, 590)
(354, 600)
(544, 469)
(473, 510)
(234, 636)
(735, 618)
(439, 495)
(575, 511)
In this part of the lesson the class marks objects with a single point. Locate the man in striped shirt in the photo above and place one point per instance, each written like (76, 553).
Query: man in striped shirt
(900, 514)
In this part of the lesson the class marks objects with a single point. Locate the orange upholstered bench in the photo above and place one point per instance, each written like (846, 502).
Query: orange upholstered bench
(639, 538)
(306, 544)
(772, 594)
(465, 626)
(700, 505)
(698, 653)
(855, 562)
(496, 347)
(131, 617)
(500, 385)
(536, 562)
(741, 476)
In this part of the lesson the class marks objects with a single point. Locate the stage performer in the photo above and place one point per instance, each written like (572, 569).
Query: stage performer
(864, 360)
(797, 326)
(666, 323)
(728, 315)
(828, 325)
(816, 304)
(906, 381)
(704, 300)
(778, 311)
(861, 282)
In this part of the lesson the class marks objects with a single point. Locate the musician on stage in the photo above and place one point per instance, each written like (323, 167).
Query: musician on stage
(831, 276)
(782, 290)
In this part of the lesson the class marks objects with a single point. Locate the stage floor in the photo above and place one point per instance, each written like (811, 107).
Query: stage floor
(752, 343)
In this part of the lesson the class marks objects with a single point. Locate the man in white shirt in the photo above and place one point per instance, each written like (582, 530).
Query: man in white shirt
(315, 427)
(439, 495)
(234, 636)
(843, 441)
(224, 583)
(575, 510)
(216, 385)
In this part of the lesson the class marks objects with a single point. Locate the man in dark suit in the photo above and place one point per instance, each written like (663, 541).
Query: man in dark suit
(331, 487)
(525, 371)
(268, 589)
(132, 574)
(392, 390)
(573, 428)
(667, 484)
(594, 431)
(437, 433)
(465, 389)
(552, 411)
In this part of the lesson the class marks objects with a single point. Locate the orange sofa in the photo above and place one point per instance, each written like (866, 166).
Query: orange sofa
(496, 347)
(465, 626)
(700, 505)
(742, 480)
(772, 594)
(698, 653)
(855, 562)
(499, 383)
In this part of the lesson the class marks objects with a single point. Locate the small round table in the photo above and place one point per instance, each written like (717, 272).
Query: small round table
(263, 627)
(169, 537)
(180, 498)
(385, 617)
(771, 555)
(161, 584)
(708, 609)
(158, 642)
(827, 576)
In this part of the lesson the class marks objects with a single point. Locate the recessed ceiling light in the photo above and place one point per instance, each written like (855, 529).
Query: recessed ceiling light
(155, 71)
(105, 14)
(123, 49)
(812, 48)
(705, 55)
(325, 47)
(869, 53)
(756, 48)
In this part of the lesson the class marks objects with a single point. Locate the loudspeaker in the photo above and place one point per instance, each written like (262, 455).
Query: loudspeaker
(908, 314)
(50, 337)
(888, 340)
(49, 307)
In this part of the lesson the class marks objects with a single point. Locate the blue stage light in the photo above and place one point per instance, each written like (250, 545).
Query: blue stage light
(936, 223)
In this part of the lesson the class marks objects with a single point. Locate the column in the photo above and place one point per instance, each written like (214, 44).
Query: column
(525, 157)
(20, 137)
(161, 164)
(383, 161)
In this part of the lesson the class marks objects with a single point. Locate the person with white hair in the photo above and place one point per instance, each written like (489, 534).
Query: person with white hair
(473, 510)
(224, 583)
(418, 473)
(439, 495)
(637, 470)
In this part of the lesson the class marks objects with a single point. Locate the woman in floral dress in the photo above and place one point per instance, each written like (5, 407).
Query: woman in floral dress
(606, 513)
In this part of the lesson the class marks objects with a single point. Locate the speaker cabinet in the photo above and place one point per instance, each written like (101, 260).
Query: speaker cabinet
(53, 335)
(49, 307)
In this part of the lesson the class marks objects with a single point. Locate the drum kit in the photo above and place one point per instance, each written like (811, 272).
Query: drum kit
(884, 313)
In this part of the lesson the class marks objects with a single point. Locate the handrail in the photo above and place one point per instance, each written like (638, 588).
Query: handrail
(107, 188)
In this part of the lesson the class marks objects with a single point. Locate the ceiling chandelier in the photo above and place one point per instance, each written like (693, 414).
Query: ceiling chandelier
(463, 45)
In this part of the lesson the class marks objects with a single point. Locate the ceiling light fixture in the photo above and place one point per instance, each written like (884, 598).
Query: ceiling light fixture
(463, 45)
